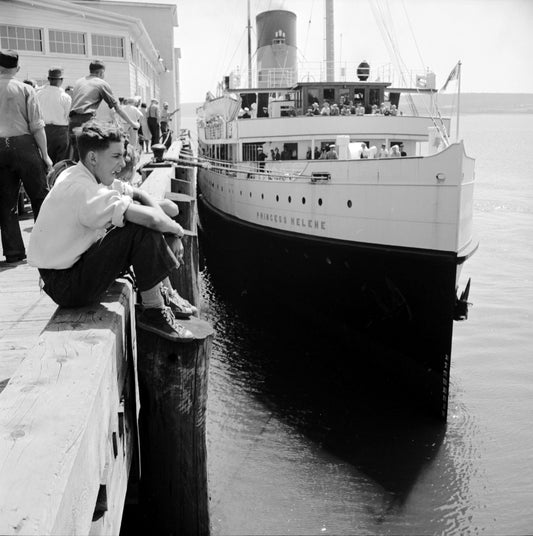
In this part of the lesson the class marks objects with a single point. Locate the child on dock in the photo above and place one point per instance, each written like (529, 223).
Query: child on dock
(90, 231)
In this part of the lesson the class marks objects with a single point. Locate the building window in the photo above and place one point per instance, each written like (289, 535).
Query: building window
(67, 42)
(107, 45)
(21, 38)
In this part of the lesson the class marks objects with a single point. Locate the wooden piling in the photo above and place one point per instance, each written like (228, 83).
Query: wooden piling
(173, 393)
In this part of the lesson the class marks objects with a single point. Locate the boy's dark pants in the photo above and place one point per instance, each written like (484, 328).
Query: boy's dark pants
(132, 245)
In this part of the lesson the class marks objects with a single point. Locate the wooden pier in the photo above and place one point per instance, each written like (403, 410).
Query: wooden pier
(88, 403)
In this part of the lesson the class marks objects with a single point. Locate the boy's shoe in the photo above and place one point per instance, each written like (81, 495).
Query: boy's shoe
(180, 306)
(163, 323)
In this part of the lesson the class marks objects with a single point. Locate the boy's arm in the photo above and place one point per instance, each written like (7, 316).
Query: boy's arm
(153, 218)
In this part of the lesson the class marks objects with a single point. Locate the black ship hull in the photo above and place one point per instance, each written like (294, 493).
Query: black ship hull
(402, 299)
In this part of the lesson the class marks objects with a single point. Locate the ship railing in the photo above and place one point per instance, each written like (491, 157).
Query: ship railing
(345, 71)
(253, 170)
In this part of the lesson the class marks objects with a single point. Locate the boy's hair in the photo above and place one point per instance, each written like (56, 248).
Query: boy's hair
(97, 136)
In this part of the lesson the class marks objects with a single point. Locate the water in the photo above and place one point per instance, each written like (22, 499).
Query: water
(296, 445)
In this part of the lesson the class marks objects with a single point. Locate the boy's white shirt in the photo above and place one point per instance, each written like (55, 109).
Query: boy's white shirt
(76, 213)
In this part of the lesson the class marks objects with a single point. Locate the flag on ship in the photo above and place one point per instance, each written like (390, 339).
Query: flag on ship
(454, 75)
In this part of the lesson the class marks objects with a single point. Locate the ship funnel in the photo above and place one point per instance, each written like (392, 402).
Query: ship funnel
(276, 49)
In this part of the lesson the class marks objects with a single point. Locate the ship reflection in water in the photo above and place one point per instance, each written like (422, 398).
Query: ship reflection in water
(310, 432)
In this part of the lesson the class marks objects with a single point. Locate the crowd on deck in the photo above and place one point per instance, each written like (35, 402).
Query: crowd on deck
(91, 224)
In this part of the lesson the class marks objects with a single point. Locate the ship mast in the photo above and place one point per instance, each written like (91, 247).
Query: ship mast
(330, 46)
(249, 48)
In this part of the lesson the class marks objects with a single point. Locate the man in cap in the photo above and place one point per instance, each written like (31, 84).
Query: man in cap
(87, 95)
(153, 117)
(23, 153)
(55, 105)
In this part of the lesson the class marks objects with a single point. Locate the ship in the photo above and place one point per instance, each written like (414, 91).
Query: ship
(361, 214)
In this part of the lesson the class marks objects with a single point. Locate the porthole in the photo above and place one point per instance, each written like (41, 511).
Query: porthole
(250, 194)
(320, 202)
(277, 198)
(289, 198)
(241, 192)
(349, 203)
(262, 196)
(303, 200)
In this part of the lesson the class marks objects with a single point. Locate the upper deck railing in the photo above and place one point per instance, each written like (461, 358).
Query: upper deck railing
(344, 72)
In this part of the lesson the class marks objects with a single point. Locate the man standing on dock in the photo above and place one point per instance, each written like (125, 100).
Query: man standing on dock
(153, 117)
(23, 153)
(55, 105)
(90, 232)
(87, 95)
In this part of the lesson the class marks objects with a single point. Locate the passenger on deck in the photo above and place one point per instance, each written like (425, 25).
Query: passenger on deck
(261, 157)
(246, 114)
(92, 228)
(331, 154)
(364, 151)
(316, 153)
(375, 109)
(359, 109)
(316, 108)
(335, 110)
(326, 109)
(309, 112)
(383, 153)
(393, 110)
(309, 154)
(395, 152)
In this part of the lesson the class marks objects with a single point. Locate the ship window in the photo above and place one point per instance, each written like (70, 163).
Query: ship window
(312, 96)
(290, 151)
(349, 203)
(320, 202)
(359, 95)
(262, 196)
(289, 199)
(277, 198)
(374, 97)
(320, 176)
(329, 94)
(303, 200)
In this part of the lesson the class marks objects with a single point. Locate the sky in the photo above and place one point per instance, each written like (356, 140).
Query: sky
(492, 38)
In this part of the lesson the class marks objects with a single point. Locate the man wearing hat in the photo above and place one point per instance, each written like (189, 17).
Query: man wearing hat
(23, 153)
(87, 95)
(55, 105)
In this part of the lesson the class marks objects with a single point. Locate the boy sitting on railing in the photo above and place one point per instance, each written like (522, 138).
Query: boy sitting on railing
(90, 231)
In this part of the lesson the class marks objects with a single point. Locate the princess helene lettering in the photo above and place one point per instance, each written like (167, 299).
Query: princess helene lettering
(293, 221)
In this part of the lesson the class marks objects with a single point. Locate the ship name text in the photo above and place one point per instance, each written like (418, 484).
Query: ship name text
(292, 221)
